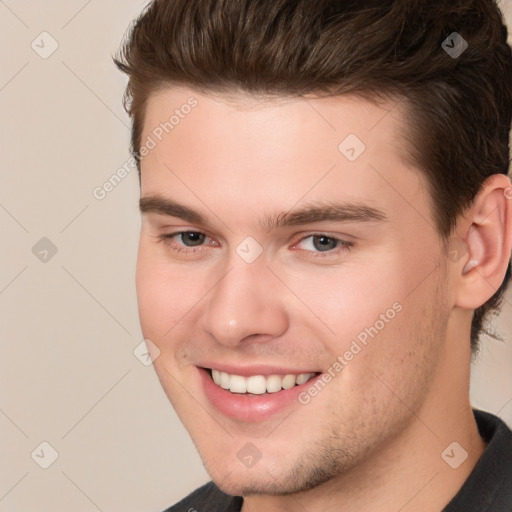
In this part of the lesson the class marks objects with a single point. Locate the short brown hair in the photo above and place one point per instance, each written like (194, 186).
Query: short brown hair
(459, 108)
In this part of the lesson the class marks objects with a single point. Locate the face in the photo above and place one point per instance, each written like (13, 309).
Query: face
(290, 280)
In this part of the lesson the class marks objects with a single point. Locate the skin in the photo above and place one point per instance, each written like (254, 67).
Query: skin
(372, 438)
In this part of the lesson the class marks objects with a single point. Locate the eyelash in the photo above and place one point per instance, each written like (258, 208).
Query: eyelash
(342, 245)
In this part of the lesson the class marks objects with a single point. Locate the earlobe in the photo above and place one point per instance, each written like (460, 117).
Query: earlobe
(489, 241)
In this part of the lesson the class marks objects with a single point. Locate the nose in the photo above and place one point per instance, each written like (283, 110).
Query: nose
(245, 306)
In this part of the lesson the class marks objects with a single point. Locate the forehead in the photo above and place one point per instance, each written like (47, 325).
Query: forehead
(320, 116)
(260, 152)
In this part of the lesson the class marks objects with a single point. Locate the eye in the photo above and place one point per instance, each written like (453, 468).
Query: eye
(186, 241)
(322, 243)
(191, 238)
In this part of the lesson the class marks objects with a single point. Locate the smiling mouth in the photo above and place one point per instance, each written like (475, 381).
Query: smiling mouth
(258, 384)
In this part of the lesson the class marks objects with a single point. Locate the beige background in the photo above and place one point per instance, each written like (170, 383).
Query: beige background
(69, 326)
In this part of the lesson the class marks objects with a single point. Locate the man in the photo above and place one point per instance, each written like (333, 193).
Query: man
(326, 224)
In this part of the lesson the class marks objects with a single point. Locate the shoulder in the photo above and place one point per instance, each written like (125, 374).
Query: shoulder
(208, 497)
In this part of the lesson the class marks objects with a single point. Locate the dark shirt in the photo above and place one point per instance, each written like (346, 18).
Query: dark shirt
(487, 489)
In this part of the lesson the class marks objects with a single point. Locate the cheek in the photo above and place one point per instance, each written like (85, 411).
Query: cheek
(347, 300)
(403, 354)
(157, 295)
(169, 296)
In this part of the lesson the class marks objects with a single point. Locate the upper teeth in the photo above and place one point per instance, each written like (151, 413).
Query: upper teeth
(258, 384)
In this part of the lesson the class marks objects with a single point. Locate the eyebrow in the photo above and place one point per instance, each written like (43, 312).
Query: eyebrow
(308, 214)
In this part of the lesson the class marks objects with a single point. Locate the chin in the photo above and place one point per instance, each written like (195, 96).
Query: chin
(252, 486)
(269, 480)
(242, 481)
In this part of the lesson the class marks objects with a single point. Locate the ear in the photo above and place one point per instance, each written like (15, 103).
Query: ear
(488, 241)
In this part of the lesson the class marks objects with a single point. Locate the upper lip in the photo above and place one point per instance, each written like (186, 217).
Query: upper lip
(258, 369)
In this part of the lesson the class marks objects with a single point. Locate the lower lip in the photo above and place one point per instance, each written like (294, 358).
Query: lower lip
(250, 408)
